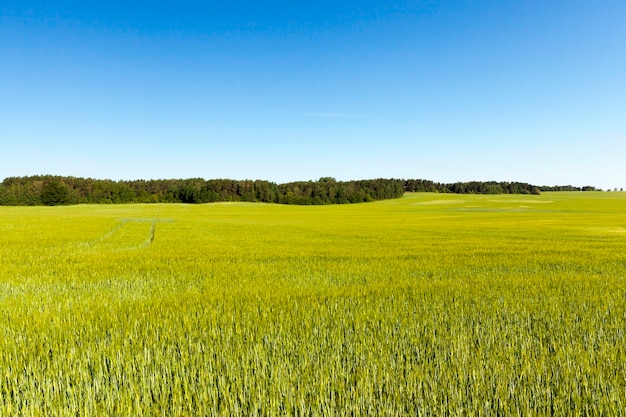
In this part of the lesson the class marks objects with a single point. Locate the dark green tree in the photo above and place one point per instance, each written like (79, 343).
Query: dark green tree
(54, 193)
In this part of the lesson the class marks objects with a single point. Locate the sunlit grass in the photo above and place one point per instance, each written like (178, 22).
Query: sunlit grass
(426, 305)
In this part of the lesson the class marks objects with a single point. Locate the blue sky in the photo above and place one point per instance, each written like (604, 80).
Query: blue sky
(529, 91)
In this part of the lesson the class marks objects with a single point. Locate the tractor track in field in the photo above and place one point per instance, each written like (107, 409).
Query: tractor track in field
(113, 239)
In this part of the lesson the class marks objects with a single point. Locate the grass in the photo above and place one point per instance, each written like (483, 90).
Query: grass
(426, 305)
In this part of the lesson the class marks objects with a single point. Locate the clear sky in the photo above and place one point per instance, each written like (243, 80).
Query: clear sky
(505, 90)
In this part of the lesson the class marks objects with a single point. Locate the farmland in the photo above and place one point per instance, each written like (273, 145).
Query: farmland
(430, 304)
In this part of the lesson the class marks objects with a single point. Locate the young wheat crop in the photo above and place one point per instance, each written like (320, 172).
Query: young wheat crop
(426, 305)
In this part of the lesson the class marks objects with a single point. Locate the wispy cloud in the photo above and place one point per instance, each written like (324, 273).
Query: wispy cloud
(332, 115)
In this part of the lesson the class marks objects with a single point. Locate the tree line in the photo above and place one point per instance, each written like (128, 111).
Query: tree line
(487, 187)
(59, 190)
(56, 190)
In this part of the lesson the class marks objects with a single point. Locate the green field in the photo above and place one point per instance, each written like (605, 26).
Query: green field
(433, 304)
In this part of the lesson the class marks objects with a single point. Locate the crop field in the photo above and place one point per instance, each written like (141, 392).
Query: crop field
(432, 304)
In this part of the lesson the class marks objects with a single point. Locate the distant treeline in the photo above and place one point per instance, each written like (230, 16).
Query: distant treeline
(57, 190)
(569, 188)
(486, 187)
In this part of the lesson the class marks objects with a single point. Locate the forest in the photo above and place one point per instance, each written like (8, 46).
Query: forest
(53, 190)
(487, 187)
